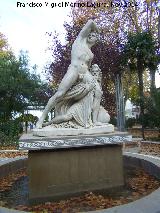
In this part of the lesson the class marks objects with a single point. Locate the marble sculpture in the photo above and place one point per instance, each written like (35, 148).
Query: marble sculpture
(77, 101)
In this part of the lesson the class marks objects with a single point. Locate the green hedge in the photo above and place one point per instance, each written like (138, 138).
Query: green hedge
(9, 132)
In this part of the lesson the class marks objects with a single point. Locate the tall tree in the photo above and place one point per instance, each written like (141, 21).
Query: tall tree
(4, 47)
(139, 52)
(18, 86)
(114, 24)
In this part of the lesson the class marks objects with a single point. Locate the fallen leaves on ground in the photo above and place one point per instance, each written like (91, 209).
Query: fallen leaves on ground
(87, 202)
(146, 148)
(150, 148)
(13, 154)
(8, 147)
(142, 184)
(139, 185)
(7, 182)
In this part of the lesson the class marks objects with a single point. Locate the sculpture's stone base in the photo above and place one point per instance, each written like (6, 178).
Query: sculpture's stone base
(50, 131)
(30, 142)
(59, 173)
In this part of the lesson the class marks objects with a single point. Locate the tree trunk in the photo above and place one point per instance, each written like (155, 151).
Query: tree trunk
(120, 104)
(141, 95)
(127, 87)
(152, 76)
(159, 27)
(152, 86)
(26, 126)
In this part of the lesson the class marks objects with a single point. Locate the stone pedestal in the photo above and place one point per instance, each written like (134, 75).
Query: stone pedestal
(56, 174)
(65, 166)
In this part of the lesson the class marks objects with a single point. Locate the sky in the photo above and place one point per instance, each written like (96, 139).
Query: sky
(25, 27)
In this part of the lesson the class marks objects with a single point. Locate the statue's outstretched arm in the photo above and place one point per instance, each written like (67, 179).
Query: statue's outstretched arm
(90, 26)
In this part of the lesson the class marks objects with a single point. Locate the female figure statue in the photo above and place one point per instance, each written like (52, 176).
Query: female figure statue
(81, 58)
(82, 102)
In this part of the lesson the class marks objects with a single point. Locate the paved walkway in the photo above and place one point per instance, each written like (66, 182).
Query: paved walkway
(8, 160)
(4, 210)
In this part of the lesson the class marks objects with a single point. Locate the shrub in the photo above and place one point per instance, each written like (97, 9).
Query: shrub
(130, 122)
(113, 121)
(11, 128)
(9, 132)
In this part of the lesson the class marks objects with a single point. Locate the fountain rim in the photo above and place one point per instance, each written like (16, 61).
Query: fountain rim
(149, 163)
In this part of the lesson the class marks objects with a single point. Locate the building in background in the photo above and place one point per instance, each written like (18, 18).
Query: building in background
(131, 111)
